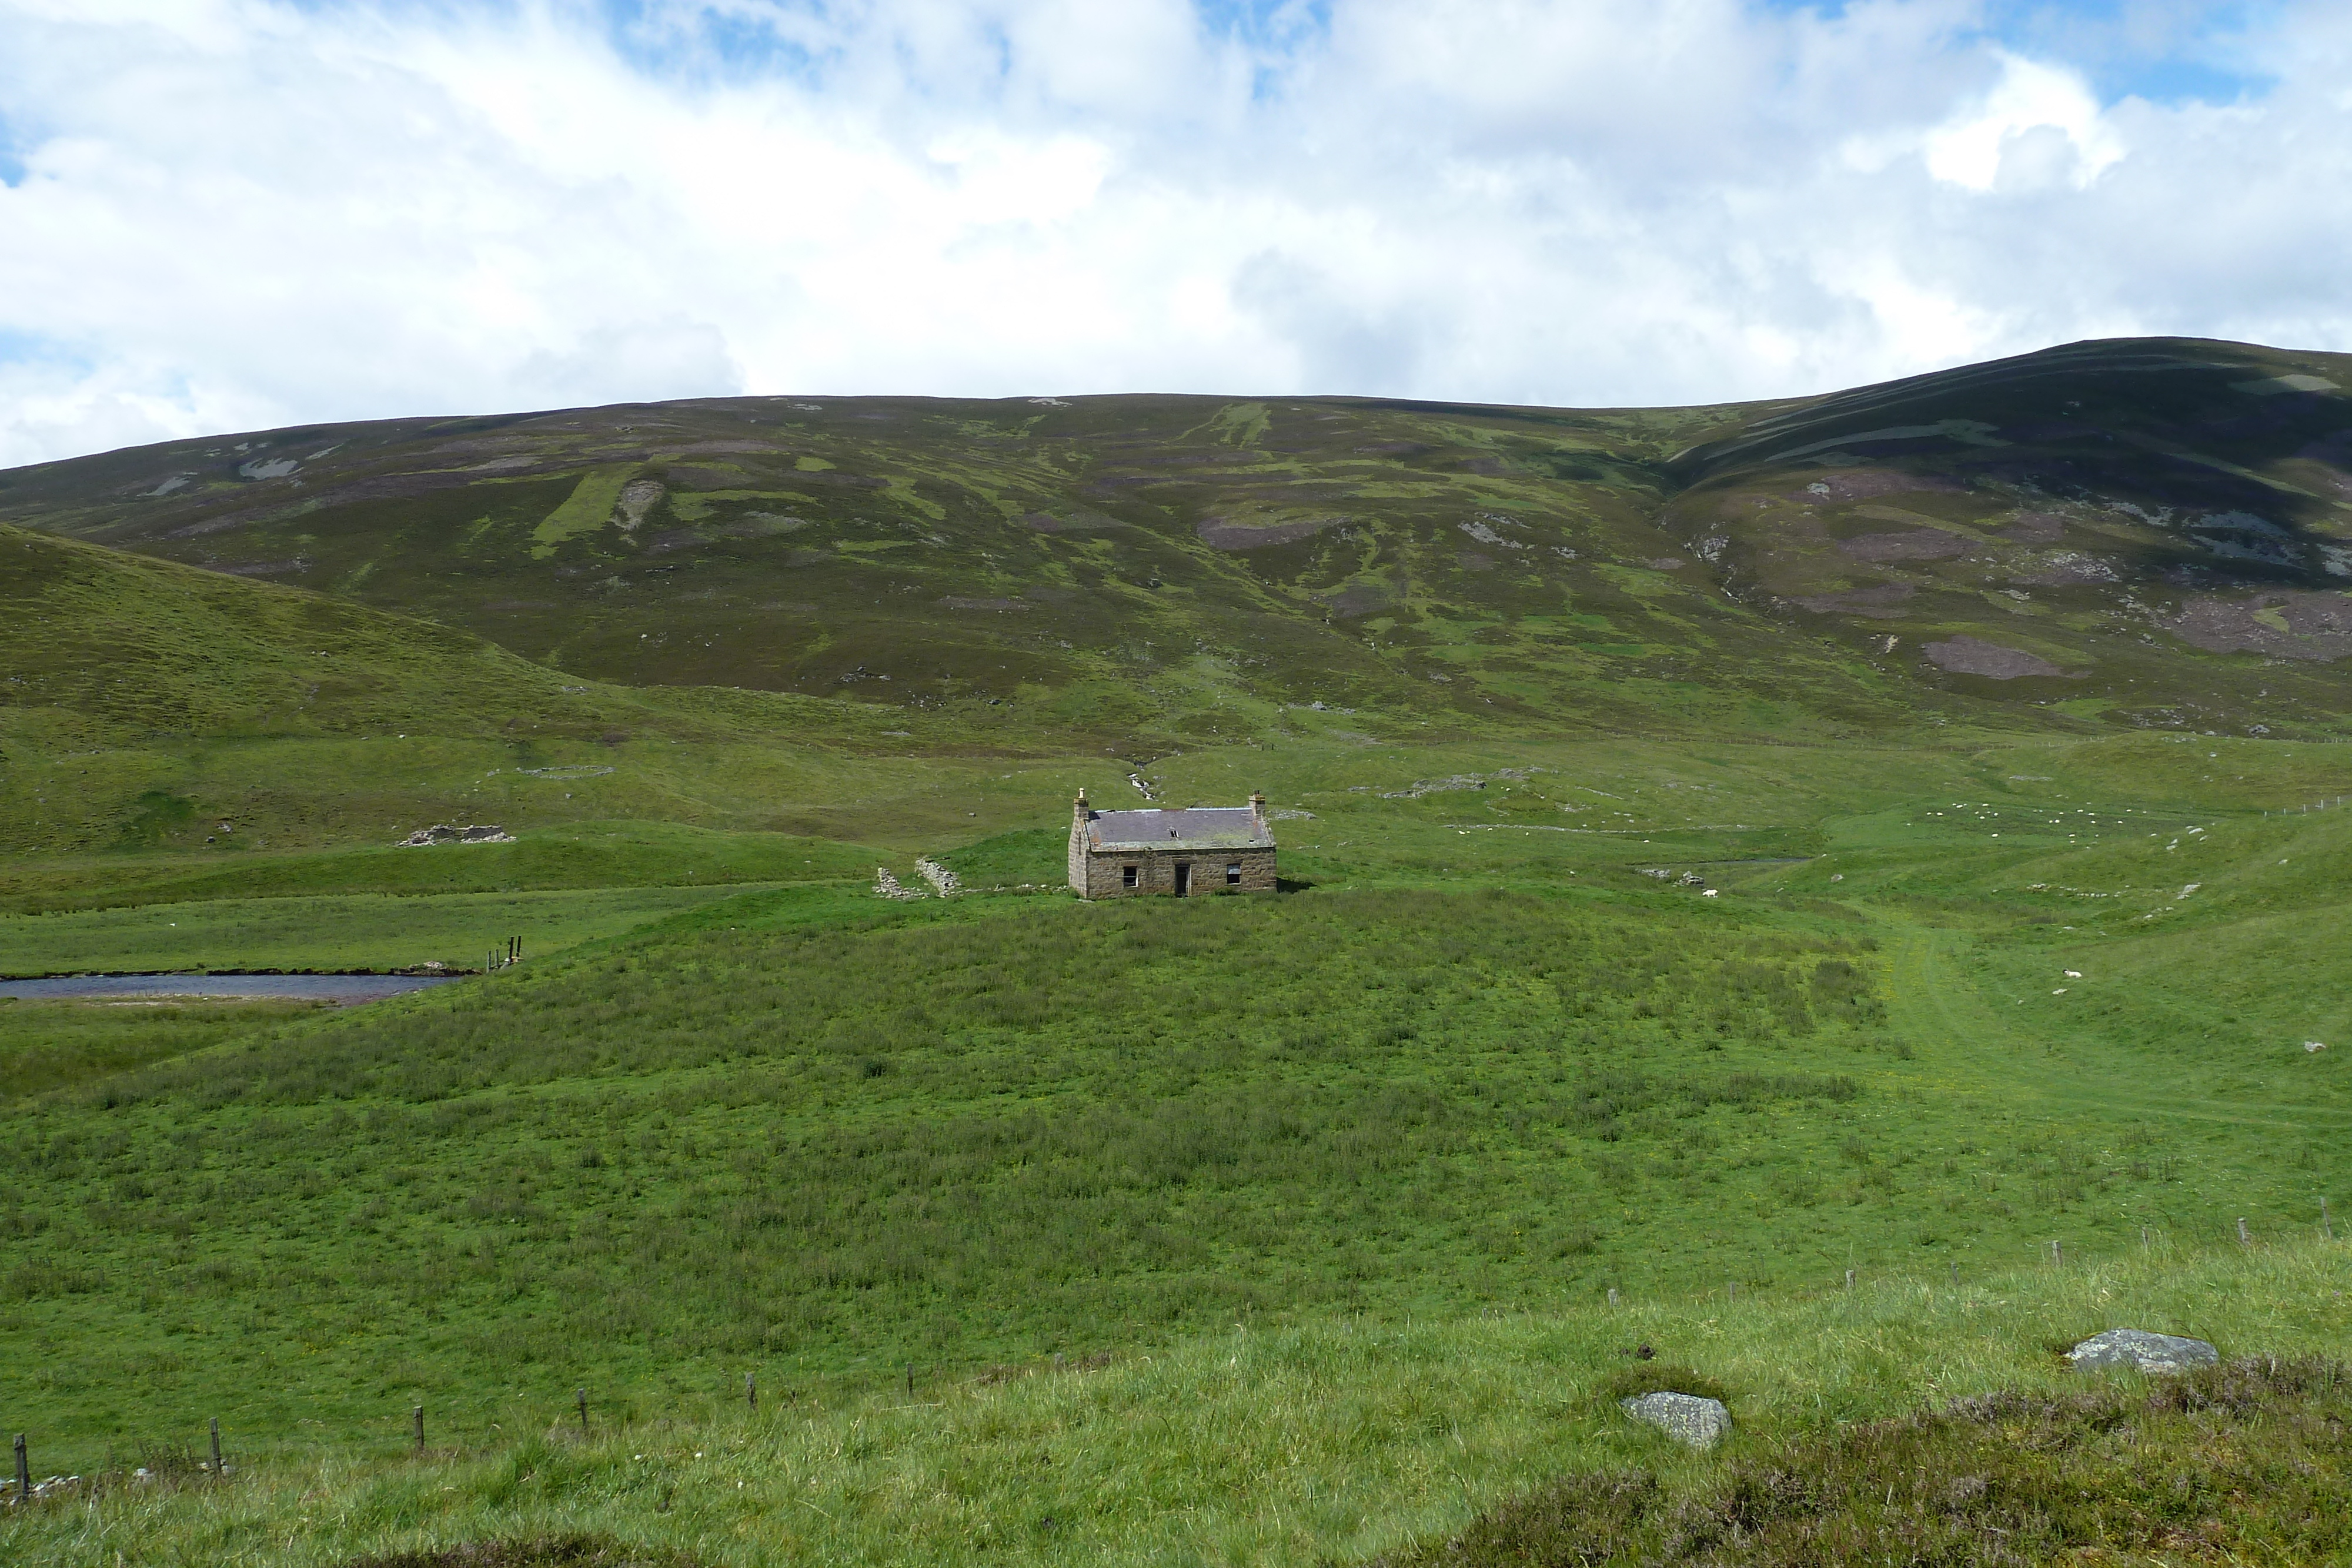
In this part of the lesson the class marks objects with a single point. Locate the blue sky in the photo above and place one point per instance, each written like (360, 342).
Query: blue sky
(227, 214)
(2168, 51)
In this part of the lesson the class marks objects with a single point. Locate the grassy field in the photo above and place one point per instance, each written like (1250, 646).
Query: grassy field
(46, 1045)
(1652, 930)
(354, 931)
(856, 1134)
(1478, 1062)
(1349, 1436)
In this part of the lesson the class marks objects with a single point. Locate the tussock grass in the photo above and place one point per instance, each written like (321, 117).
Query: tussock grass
(359, 932)
(820, 1138)
(1334, 1440)
(51, 1045)
(2245, 1461)
(827, 1137)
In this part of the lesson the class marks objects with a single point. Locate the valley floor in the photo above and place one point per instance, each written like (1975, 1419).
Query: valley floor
(1292, 1221)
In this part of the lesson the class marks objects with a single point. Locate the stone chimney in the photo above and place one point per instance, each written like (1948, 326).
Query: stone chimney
(1257, 808)
(1081, 847)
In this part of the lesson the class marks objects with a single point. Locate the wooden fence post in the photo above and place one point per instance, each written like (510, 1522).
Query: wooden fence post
(583, 1396)
(751, 1390)
(218, 1469)
(2245, 1239)
(2057, 1259)
(24, 1474)
(1848, 1279)
(417, 1418)
(2327, 1224)
(1612, 1295)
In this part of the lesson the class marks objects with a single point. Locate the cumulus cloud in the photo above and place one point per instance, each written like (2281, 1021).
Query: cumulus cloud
(229, 213)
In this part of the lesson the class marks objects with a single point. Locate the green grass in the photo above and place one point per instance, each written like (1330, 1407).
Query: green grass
(1324, 1192)
(1332, 1440)
(1037, 857)
(586, 508)
(46, 1045)
(2236, 1463)
(849, 1136)
(576, 857)
(353, 932)
(856, 1135)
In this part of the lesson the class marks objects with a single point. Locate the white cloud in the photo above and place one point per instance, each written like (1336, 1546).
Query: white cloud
(2038, 126)
(236, 213)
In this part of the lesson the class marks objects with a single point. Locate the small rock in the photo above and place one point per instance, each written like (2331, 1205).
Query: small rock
(2313, 1046)
(1684, 1418)
(2150, 1352)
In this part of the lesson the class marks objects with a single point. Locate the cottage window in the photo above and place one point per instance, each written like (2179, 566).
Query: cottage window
(1234, 874)
(1129, 875)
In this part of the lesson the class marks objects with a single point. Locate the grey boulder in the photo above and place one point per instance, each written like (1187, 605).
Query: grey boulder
(2151, 1353)
(1684, 1418)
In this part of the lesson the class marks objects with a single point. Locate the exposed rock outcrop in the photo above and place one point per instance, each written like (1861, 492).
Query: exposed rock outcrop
(443, 834)
(1973, 656)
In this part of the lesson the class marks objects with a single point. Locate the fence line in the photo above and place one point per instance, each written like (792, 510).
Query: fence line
(24, 1489)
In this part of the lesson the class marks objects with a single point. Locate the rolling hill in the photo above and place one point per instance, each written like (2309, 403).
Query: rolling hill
(1727, 851)
(2148, 532)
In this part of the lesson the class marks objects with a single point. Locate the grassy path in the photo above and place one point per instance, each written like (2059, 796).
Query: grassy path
(1933, 1002)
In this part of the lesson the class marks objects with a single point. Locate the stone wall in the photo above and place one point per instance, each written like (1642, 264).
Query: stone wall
(1156, 871)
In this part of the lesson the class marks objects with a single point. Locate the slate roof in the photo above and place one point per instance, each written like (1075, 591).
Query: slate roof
(1179, 828)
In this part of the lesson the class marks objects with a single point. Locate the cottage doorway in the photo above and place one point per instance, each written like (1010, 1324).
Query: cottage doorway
(1184, 881)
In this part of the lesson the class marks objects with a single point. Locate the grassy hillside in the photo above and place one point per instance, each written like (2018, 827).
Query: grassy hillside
(821, 1135)
(2146, 532)
(1348, 1439)
(165, 730)
(832, 619)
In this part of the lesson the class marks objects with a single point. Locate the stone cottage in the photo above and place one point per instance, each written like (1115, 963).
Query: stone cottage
(1179, 850)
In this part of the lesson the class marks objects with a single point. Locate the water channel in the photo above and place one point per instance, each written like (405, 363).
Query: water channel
(314, 987)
